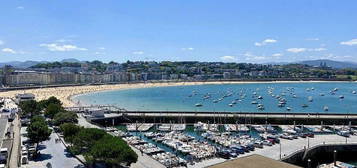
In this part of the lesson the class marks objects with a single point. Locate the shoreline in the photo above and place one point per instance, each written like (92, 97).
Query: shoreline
(67, 93)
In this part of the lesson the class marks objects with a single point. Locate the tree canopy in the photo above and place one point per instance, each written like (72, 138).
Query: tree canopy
(69, 131)
(112, 151)
(98, 146)
(65, 117)
(30, 108)
(38, 130)
(52, 110)
(51, 100)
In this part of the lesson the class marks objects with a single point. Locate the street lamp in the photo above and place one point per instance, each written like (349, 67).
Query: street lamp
(334, 157)
(309, 163)
(280, 150)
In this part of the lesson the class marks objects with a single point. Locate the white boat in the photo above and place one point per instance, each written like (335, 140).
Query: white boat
(344, 133)
(304, 105)
(165, 127)
(198, 105)
(260, 107)
(310, 99)
(325, 108)
(354, 92)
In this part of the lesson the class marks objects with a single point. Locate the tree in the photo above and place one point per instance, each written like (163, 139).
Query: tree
(112, 151)
(85, 139)
(69, 131)
(52, 110)
(30, 108)
(65, 117)
(51, 100)
(38, 130)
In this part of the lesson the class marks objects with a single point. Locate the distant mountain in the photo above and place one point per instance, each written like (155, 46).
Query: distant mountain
(20, 64)
(73, 60)
(330, 63)
(26, 64)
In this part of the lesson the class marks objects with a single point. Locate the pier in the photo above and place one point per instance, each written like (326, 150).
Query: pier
(113, 115)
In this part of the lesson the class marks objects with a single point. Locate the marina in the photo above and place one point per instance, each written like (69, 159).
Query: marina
(202, 143)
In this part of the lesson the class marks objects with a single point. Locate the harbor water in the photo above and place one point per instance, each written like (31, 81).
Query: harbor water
(320, 97)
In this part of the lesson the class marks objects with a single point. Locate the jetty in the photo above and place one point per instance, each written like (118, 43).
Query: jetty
(113, 115)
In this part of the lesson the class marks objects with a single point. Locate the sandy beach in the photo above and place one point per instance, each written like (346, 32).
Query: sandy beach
(65, 93)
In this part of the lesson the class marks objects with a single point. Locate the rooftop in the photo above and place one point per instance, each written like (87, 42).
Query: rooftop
(253, 161)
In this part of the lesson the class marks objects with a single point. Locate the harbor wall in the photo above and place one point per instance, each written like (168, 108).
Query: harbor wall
(323, 154)
(229, 118)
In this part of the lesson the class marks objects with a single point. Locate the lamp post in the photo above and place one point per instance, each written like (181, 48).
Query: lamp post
(309, 163)
(280, 150)
(334, 157)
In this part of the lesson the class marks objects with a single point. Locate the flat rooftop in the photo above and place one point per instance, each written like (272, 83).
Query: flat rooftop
(253, 161)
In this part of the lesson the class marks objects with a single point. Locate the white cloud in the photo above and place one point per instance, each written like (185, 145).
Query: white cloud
(20, 7)
(138, 52)
(228, 58)
(64, 47)
(350, 42)
(253, 58)
(258, 58)
(2, 42)
(258, 44)
(101, 48)
(188, 49)
(269, 41)
(265, 42)
(277, 55)
(312, 39)
(8, 50)
(299, 50)
(99, 53)
(296, 50)
(319, 49)
(63, 40)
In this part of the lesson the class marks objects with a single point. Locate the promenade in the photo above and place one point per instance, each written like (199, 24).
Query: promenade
(54, 153)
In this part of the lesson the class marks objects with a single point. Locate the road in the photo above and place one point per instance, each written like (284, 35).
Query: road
(3, 124)
(54, 153)
(16, 143)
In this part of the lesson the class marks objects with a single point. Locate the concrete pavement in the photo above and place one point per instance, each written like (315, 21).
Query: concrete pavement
(287, 147)
(54, 153)
(3, 126)
(15, 155)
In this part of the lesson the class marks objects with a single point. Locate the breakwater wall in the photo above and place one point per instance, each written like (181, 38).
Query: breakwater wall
(226, 118)
(321, 154)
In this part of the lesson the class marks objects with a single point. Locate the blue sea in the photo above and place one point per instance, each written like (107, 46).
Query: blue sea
(334, 97)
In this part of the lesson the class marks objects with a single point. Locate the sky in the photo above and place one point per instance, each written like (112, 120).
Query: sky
(257, 31)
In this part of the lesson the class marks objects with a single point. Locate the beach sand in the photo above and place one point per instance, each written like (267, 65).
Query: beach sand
(65, 93)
